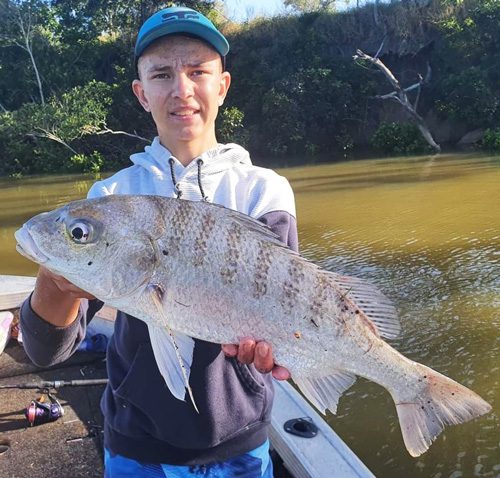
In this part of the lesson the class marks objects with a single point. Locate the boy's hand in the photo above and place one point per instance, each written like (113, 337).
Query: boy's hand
(64, 285)
(260, 354)
(55, 299)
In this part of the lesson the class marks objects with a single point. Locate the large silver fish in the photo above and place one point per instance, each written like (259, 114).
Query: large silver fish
(193, 269)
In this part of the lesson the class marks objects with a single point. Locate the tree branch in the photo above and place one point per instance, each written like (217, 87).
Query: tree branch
(131, 135)
(52, 136)
(400, 96)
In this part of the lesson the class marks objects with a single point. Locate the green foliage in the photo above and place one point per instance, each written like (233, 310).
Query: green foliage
(491, 140)
(467, 97)
(306, 112)
(86, 163)
(294, 82)
(230, 128)
(38, 138)
(468, 66)
(399, 138)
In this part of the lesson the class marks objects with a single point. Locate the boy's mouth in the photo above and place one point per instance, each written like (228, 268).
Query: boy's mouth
(184, 112)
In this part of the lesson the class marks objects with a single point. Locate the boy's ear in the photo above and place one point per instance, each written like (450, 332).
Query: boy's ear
(225, 83)
(138, 90)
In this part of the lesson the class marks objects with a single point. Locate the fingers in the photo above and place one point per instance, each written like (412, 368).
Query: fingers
(230, 350)
(64, 285)
(260, 354)
(264, 360)
(280, 373)
(246, 351)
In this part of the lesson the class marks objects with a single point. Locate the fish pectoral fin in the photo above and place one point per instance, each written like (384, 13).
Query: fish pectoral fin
(324, 392)
(173, 352)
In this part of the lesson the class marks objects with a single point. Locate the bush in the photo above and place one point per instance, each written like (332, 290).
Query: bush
(230, 127)
(40, 138)
(467, 97)
(491, 140)
(399, 138)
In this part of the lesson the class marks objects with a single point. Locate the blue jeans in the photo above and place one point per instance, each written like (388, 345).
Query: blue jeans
(254, 464)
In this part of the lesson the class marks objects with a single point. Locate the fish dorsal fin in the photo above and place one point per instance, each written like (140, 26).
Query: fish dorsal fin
(373, 303)
(173, 353)
(324, 392)
(257, 227)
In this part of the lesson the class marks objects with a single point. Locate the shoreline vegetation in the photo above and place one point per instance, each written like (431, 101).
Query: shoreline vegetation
(299, 94)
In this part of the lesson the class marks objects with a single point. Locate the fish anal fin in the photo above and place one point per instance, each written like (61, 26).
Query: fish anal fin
(443, 402)
(324, 392)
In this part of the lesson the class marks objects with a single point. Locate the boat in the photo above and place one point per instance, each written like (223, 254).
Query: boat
(303, 445)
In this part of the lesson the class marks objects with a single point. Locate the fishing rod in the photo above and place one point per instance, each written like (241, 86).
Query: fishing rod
(42, 411)
(56, 384)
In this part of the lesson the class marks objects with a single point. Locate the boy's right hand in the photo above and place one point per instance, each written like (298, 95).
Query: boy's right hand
(64, 285)
(55, 299)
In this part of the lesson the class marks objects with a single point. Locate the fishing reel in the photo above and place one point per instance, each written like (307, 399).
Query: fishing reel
(40, 411)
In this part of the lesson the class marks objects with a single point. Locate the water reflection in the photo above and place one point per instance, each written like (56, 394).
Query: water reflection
(427, 231)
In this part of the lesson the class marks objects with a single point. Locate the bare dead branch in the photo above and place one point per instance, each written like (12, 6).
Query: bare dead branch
(399, 95)
(131, 135)
(43, 133)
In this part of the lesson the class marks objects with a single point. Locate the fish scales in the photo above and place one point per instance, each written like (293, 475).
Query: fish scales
(199, 270)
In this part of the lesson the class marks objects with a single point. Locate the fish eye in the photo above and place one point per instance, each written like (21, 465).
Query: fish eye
(80, 232)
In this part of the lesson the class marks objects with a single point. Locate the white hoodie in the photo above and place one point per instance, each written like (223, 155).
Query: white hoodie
(226, 173)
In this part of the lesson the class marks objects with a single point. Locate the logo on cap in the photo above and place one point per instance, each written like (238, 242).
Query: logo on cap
(167, 17)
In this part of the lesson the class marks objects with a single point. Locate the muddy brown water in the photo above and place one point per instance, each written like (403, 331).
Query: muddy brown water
(427, 232)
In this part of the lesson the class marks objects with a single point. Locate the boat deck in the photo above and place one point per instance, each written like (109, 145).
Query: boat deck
(70, 446)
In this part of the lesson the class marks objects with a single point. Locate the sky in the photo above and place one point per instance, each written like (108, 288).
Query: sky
(242, 10)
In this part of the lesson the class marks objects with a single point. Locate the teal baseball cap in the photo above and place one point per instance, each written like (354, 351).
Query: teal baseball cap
(180, 20)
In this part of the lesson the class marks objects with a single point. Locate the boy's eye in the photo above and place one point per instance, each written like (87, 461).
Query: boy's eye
(161, 76)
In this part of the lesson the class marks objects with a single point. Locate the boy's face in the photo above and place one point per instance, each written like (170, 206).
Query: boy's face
(182, 84)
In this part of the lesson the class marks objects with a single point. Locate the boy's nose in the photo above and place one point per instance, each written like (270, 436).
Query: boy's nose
(183, 86)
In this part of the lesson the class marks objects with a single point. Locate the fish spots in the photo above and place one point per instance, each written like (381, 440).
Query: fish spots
(297, 334)
(291, 286)
(289, 296)
(263, 263)
(164, 252)
(320, 297)
(314, 323)
(232, 256)
(89, 263)
(201, 240)
(178, 225)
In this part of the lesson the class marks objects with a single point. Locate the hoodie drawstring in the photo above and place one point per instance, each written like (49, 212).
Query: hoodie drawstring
(178, 191)
(200, 164)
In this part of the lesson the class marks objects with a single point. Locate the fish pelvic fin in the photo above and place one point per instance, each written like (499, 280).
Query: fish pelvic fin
(443, 402)
(324, 392)
(173, 353)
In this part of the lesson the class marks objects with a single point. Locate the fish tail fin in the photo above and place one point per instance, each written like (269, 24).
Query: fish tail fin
(442, 402)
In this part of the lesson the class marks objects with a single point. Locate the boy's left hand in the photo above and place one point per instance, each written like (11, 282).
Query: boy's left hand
(260, 354)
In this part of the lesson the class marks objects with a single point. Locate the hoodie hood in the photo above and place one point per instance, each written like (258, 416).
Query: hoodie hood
(223, 175)
(156, 159)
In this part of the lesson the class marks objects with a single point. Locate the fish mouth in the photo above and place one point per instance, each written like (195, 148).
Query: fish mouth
(26, 246)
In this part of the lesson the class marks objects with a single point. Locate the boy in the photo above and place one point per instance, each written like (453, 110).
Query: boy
(182, 82)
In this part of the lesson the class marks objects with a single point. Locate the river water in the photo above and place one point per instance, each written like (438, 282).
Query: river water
(427, 232)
